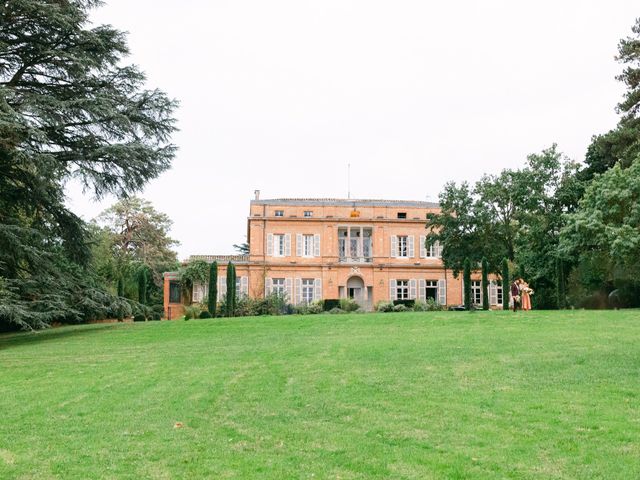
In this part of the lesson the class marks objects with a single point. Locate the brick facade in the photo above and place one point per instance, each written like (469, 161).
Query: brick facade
(338, 248)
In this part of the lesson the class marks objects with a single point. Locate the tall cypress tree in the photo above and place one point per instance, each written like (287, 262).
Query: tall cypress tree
(142, 286)
(231, 290)
(505, 284)
(560, 284)
(485, 284)
(213, 288)
(467, 283)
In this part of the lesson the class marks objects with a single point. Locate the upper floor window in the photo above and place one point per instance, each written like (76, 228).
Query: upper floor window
(402, 214)
(308, 213)
(433, 250)
(278, 245)
(402, 290)
(403, 244)
(279, 213)
(307, 245)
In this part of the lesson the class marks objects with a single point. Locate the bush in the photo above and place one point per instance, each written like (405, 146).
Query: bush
(383, 306)
(331, 303)
(349, 304)
(316, 307)
(400, 308)
(139, 318)
(420, 306)
(336, 310)
(204, 314)
(192, 311)
(407, 303)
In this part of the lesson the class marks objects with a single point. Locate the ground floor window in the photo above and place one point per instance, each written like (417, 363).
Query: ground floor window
(402, 290)
(174, 292)
(431, 290)
(499, 297)
(476, 292)
(308, 285)
(278, 286)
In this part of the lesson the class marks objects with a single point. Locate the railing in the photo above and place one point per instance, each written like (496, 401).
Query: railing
(356, 250)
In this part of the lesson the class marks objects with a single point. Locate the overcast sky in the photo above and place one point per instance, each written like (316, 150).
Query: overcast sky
(281, 95)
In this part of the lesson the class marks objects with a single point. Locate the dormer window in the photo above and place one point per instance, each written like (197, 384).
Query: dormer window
(402, 214)
(279, 213)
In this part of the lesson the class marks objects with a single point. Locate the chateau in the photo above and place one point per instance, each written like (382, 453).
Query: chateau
(312, 249)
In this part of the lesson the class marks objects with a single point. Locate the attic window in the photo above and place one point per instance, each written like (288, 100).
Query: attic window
(402, 214)
(279, 213)
(308, 213)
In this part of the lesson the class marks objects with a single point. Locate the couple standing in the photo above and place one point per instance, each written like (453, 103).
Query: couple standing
(521, 294)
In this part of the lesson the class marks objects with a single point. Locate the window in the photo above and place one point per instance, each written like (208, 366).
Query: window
(174, 292)
(307, 290)
(307, 245)
(278, 287)
(476, 292)
(431, 290)
(433, 251)
(279, 213)
(278, 245)
(308, 213)
(402, 290)
(402, 214)
(499, 298)
(403, 246)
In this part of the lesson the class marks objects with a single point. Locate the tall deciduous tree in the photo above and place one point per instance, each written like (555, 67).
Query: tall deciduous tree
(213, 288)
(69, 108)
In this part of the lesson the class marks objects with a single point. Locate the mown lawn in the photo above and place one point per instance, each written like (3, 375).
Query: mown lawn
(408, 395)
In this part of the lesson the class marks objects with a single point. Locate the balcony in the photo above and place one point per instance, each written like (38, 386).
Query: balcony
(355, 245)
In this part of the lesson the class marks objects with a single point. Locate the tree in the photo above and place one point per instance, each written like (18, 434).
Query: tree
(506, 284)
(242, 248)
(196, 271)
(213, 288)
(142, 286)
(560, 284)
(467, 284)
(69, 108)
(231, 290)
(485, 284)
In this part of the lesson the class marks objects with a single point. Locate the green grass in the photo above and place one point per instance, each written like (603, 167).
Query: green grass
(410, 395)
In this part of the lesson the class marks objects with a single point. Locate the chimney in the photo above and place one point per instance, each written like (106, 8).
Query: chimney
(257, 194)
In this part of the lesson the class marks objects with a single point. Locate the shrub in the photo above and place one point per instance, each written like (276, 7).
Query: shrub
(336, 310)
(139, 318)
(420, 306)
(433, 306)
(204, 314)
(316, 307)
(331, 303)
(407, 303)
(349, 304)
(400, 308)
(192, 311)
(383, 306)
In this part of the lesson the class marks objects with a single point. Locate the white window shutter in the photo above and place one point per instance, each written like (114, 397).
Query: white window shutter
(493, 293)
(299, 245)
(442, 291)
(412, 251)
(394, 246)
(421, 289)
(298, 291)
(244, 285)
(222, 287)
(196, 292)
(423, 246)
(392, 290)
(288, 284)
(437, 249)
(317, 294)
(287, 245)
(412, 289)
(268, 285)
(316, 245)
(270, 244)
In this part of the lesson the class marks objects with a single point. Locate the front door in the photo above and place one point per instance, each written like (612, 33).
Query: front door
(355, 293)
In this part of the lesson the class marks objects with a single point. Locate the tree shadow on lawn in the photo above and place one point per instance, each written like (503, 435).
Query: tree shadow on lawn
(18, 339)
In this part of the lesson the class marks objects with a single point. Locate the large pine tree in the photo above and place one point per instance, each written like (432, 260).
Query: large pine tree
(69, 108)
